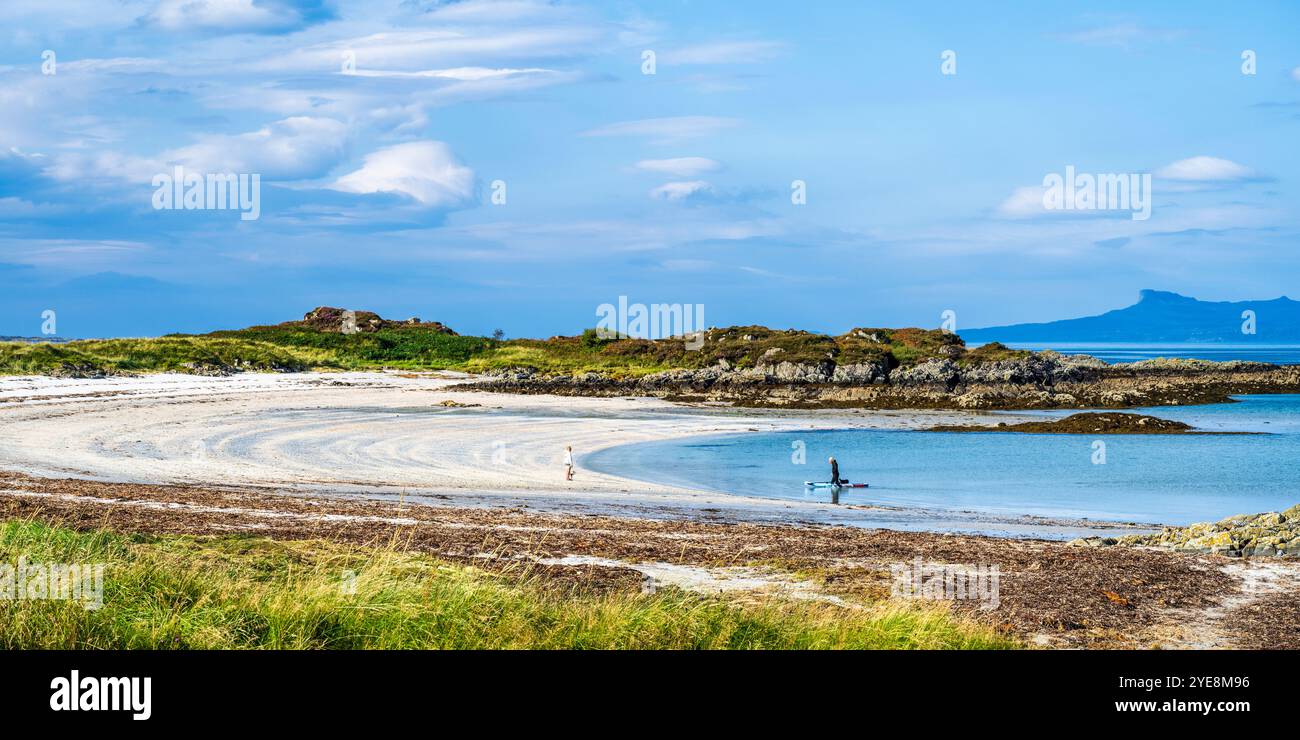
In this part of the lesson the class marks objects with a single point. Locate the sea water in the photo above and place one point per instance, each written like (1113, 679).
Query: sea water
(1168, 479)
(1280, 354)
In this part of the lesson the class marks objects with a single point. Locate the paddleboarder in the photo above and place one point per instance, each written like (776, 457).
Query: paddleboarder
(835, 473)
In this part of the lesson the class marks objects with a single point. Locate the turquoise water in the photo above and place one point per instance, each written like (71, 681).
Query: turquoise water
(1281, 354)
(1157, 478)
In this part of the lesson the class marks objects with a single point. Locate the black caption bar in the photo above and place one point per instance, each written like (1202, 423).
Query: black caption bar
(214, 690)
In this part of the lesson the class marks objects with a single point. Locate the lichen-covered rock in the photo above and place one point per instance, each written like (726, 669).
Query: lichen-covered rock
(932, 373)
(863, 373)
(1270, 534)
(797, 372)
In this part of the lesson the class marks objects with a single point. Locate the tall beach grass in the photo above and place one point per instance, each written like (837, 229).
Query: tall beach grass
(237, 592)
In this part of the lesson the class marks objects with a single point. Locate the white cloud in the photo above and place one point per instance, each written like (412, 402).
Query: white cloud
(686, 265)
(223, 15)
(462, 74)
(1023, 203)
(435, 48)
(680, 190)
(680, 166)
(666, 129)
(426, 171)
(1295, 74)
(1205, 169)
(1123, 35)
(289, 149)
(114, 64)
(725, 52)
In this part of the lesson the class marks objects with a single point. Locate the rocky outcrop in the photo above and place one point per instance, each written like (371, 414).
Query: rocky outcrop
(344, 321)
(860, 373)
(1270, 534)
(82, 371)
(793, 372)
(939, 374)
(1039, 380)
(1110, 422)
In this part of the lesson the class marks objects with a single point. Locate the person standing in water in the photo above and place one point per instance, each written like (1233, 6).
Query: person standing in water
(835, 473)
(568, 462)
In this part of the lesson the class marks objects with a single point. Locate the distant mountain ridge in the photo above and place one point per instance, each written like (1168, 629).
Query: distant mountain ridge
(1162, 316)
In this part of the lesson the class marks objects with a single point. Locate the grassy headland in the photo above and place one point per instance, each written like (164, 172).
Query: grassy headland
(235, 592)
(317, 343)
(740, 365)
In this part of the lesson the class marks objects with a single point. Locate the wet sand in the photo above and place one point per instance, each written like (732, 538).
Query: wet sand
(377, 458)
(1050, 594)
(404, 435)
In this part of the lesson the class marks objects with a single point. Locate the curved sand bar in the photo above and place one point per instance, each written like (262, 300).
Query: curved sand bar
(388, 434)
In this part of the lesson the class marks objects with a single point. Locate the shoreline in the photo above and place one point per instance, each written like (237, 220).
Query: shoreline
(1051, 594)
(365, 459)
(388, 435)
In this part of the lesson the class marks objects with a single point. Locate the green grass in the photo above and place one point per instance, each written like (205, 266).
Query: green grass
(239, 592)
(993, 352)
(412, 347)
(163, 354)
(295, 346)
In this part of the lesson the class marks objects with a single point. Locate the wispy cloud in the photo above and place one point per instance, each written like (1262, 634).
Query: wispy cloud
(425, 171)
(680, 190)
(237, 16)
(725, 52)
(1205, 169)
(667, 129)
(680, 166)
(1122, 34)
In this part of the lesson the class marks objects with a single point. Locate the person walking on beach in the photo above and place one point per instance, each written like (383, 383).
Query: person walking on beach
(568, 462)
(835, 473)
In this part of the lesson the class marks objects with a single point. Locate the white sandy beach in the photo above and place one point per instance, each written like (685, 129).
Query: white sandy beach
(387, 434)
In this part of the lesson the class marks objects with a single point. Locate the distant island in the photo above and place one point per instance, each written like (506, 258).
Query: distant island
(1162, 316)
(34, 340)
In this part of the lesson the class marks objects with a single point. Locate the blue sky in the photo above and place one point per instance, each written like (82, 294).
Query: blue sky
(923, 189)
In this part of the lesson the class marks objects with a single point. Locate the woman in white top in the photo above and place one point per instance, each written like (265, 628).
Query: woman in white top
(568, 462)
